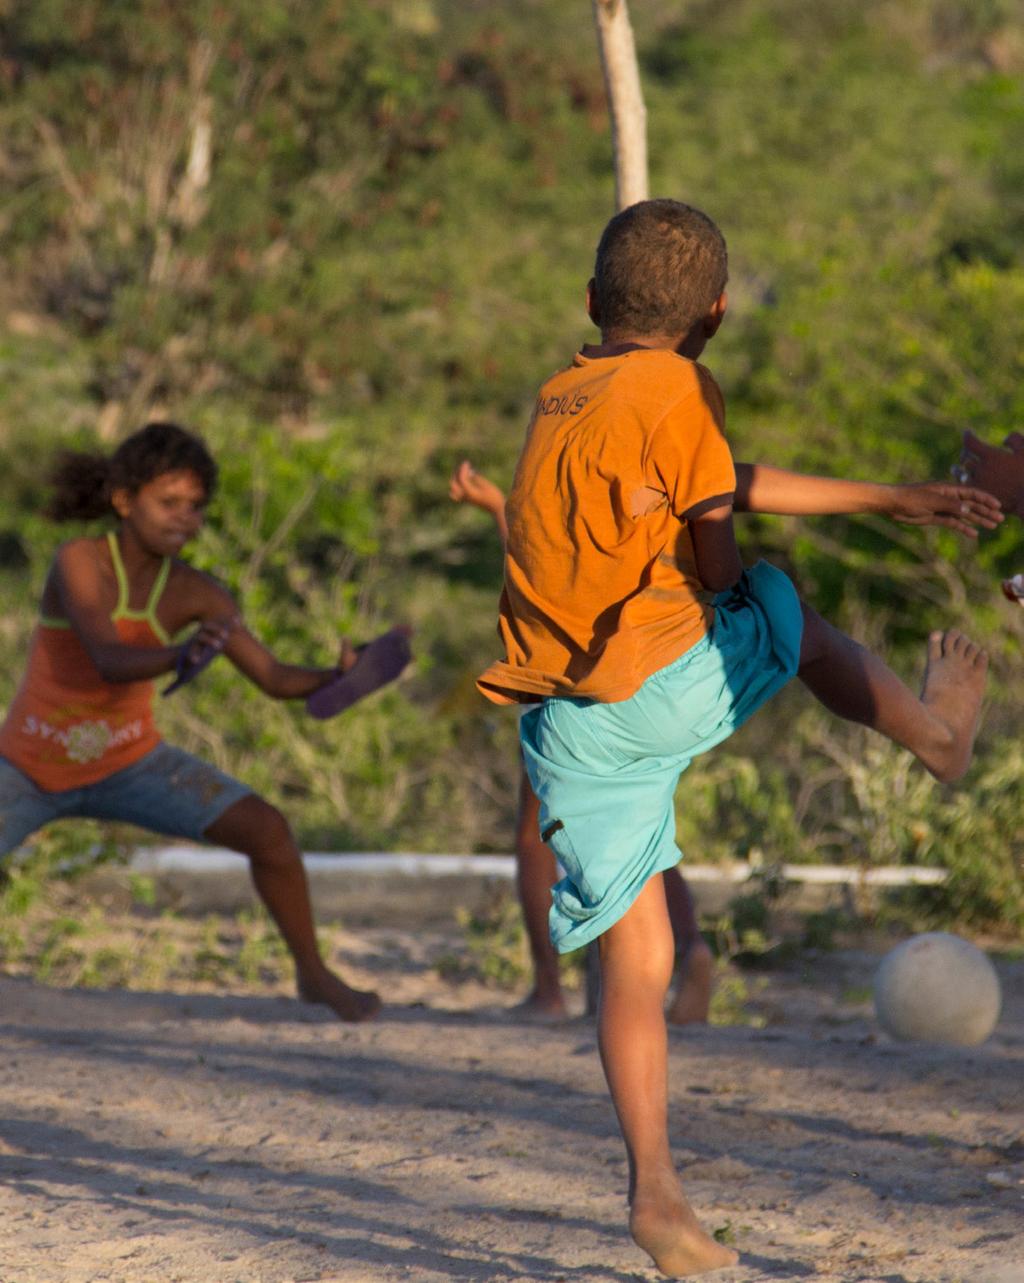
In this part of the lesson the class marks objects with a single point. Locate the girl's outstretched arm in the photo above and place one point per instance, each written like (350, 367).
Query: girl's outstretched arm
(256, 661)
(469, 486)
(761, 488)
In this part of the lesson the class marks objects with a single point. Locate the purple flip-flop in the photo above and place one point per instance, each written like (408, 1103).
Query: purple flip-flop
(188, 669)
(379, 662)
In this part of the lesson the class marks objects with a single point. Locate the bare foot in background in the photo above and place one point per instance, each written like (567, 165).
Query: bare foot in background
(692, 999)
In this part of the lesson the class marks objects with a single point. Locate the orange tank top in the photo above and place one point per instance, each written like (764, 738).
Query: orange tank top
(66, 726)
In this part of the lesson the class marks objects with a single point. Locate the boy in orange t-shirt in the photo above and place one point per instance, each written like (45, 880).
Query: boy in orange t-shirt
(634, 632)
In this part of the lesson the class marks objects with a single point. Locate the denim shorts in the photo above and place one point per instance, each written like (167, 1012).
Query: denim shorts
(168, 791)
(606, 774)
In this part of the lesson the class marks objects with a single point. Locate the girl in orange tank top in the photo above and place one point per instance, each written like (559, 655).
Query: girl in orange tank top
(67, 727)
(79, 738)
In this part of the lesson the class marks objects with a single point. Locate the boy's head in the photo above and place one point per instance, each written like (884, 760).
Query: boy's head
(661, 269)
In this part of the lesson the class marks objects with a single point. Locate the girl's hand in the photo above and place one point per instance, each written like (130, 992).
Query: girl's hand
(347, 656)
(201, 649)
(939, 503)
(469, 486)
(349, 653)
(212, 634)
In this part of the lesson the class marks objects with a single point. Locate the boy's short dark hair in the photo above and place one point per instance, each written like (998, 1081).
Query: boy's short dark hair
(660, 266)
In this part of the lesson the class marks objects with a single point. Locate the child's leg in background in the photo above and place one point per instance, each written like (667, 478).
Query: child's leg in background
(637, 955)
(258, 830)
(535, 875)
(695, 963)
(938, 728)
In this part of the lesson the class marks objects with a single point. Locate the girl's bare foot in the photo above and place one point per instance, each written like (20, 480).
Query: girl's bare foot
(352, 1005)
(668, 1231)
(692, 999)
(954, 682)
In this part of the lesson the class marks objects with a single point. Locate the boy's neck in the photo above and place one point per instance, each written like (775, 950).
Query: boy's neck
(691, 344)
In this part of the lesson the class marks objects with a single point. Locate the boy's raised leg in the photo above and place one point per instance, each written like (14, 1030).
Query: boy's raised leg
(258, 830)
(938, 726)
(636, 966)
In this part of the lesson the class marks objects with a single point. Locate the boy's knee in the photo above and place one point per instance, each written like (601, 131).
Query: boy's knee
(815, 637)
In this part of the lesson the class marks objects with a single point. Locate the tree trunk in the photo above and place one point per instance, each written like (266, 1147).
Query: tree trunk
(625, 100)
(629, 147)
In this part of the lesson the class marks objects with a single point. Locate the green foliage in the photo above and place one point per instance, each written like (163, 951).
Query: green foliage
(64, 852)
(246, 949)
(110, 936)
(977, 837)
(731, 998)
(346, 242)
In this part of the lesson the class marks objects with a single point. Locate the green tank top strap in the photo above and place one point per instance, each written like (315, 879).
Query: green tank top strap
(157, 591)
(122, 609)
(122, 579)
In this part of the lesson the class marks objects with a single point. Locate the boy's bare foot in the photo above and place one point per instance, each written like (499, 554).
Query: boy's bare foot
(692, 999)
(352, 1005)
(954, 682)
(671, 1235)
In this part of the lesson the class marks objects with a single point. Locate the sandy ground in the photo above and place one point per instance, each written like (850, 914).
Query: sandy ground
(209, 1139)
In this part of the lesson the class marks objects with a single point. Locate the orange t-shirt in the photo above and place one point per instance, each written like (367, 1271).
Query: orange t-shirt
(601, 588)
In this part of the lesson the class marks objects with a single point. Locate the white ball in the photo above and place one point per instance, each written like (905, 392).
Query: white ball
(937, 988)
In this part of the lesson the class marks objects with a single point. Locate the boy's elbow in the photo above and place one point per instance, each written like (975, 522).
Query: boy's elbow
(720, 581)
(717, 574)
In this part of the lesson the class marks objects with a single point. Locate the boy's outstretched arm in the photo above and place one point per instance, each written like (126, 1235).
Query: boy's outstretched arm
(761, 488)
(469, 486)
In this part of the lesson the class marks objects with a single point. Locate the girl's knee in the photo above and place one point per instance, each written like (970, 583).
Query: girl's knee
(275, 832)
(266, 835)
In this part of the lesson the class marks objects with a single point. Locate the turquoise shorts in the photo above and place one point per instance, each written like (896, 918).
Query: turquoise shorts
(606, 774)
(167, 791)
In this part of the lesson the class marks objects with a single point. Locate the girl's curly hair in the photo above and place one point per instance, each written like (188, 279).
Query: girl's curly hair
(83, 482)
